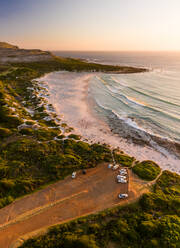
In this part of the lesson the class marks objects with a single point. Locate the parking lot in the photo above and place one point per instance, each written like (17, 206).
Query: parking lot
(65, 200)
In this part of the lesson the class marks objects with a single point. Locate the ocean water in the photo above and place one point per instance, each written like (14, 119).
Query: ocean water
(144, 107)
(156, 60)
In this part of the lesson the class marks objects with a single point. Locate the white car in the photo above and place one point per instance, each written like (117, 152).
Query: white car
(122, 196)
(115, 167)
(122, 180)
(110, 166)
(73, 175)
(123, 172)
(121, 177)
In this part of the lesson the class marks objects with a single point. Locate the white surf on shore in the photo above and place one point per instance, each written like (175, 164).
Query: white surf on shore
(73, 95)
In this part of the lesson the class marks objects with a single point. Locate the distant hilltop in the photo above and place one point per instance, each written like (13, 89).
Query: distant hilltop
(7, 45)
(10, 53)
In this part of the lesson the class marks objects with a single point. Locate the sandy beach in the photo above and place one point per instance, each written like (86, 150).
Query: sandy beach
(69, 93)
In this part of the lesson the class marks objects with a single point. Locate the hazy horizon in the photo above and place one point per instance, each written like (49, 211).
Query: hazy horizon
(123, 51)
(91, 25)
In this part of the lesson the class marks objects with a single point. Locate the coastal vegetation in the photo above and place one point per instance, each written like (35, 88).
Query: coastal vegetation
(123, 159)
(147, 170)
(26, 164)
(152, 222)
(78, 65)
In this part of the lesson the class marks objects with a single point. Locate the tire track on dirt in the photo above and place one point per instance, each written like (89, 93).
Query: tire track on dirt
(39, 210)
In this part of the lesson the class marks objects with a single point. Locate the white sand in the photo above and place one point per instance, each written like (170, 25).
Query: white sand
(71, 99)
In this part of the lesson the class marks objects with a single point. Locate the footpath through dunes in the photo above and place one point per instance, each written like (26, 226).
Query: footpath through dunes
(63, 201)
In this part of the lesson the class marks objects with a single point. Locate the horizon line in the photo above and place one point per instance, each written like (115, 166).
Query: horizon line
(56, 50)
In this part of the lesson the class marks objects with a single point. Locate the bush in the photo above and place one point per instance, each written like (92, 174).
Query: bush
(27, 131)
(83, 242)
(30, 122)
(169, 231)
(124, 160)
(6, 200)
(6, 184)
(4, 132)
(147, 170)
(74, 136)
(46, 134)
(12, 121)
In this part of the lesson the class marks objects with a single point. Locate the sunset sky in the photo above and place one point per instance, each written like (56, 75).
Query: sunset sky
(91, 24)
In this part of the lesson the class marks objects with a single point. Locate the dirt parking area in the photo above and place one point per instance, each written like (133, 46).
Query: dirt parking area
(63, 201)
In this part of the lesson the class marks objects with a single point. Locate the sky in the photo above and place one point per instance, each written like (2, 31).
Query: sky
(91, 25)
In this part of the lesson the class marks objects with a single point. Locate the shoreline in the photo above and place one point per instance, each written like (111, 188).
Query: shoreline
(76, 108)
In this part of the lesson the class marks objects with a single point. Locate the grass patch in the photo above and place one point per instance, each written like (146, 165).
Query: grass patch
(123, 160)
(147, 170)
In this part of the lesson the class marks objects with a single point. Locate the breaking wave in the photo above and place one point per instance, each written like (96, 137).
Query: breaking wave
(137, 110)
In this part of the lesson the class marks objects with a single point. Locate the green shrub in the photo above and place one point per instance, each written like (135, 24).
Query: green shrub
(74, 136)
(5, 201)
(123, 160)
(4, 132)
(12, 121)
(27, 131)
(147, 170)
(61, 136)
(30, 122)
(46, 134)
(6, 184)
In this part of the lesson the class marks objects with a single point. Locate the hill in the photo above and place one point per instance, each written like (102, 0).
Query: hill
(7, 45)
(10, 53)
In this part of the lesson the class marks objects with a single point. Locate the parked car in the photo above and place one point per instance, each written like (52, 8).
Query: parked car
(115, 167)
(121, 177)
(110, 166)
(122, 172)
(122, 180)
(122, 196)
(73, 175)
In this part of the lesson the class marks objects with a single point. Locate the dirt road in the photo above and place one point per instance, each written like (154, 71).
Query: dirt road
(63, 201)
